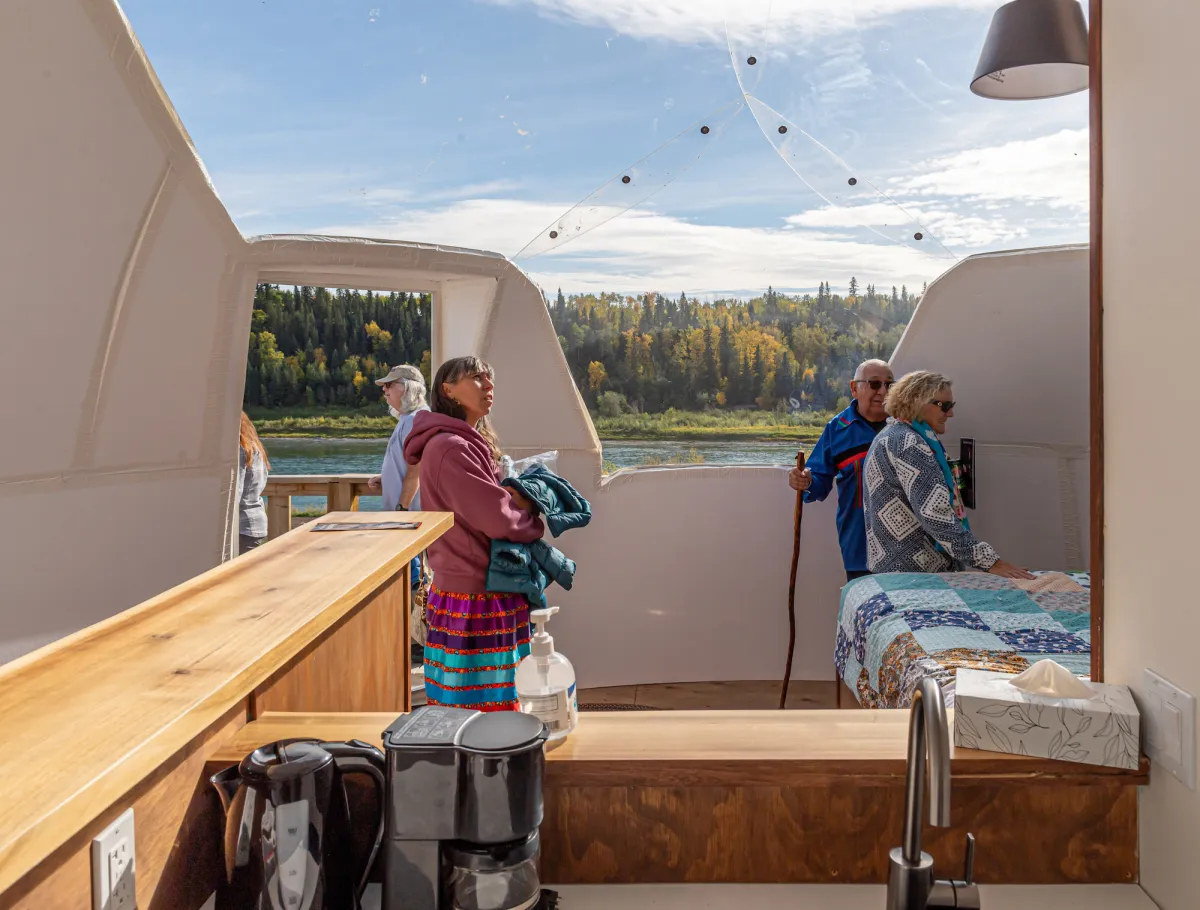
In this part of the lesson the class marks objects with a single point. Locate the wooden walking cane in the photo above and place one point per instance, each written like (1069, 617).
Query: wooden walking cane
(787, 673)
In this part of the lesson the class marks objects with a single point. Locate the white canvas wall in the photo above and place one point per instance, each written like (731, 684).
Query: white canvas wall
(124, 320)
(1011, 330)
(1151, 323)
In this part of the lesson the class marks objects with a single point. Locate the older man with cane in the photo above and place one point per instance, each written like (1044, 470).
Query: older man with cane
(840, 454)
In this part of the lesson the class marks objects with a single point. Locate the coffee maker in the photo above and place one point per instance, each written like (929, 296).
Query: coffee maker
(464, 802)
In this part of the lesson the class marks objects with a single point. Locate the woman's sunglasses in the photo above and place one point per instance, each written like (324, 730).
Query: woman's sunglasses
(877, 384)
(946, 406)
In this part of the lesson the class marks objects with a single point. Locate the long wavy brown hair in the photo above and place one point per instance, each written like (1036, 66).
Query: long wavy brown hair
(451, 372)
(250, 443)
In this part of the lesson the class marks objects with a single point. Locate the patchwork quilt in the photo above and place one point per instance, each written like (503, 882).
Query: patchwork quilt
(896, 629)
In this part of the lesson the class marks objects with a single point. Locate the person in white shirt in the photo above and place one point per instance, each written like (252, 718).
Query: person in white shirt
(404, 391)
(253, 466)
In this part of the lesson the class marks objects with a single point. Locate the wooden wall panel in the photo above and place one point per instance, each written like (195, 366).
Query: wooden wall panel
(177, 837)
(1096, 335)
(360, 665)
(841, 833)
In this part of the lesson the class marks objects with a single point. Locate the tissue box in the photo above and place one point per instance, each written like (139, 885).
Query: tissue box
(992, 715)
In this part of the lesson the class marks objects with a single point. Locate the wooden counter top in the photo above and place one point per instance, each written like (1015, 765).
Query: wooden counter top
(85, 719)
(714, 748)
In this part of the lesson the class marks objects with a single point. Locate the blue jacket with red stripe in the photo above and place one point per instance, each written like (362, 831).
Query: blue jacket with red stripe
(841, 453)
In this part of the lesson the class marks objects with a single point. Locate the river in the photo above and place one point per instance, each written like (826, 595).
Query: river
(363, 456)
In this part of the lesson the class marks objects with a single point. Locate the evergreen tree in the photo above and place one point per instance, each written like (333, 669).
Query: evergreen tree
(560, 310)
(315, 346)
(761, 377)
(785, 378)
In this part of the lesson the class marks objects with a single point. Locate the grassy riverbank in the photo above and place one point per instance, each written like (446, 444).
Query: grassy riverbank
(669, 426)
(712, 426)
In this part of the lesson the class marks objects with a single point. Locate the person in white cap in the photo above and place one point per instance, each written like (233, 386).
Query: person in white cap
(404, 391)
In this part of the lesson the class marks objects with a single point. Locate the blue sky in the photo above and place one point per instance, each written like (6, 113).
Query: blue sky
(481, 122)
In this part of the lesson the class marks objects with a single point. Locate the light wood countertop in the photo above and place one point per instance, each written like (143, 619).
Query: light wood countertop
(85, 719)
(714, 748)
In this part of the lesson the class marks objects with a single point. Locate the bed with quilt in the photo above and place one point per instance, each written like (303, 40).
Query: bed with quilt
(896, 629)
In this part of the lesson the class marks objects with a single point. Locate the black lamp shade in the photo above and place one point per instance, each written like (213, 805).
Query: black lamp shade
(1034, 49)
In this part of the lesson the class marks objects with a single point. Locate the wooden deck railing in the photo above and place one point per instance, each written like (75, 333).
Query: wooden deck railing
(341, 490)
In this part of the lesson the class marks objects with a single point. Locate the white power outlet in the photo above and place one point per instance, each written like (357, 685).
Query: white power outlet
(114, 866)
(1169, 719)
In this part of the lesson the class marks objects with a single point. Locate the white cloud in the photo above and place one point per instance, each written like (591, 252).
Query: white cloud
(642, 250)
(258, 193)
(983, 196)
(703, 21)
(954, 229)
(1050, 169)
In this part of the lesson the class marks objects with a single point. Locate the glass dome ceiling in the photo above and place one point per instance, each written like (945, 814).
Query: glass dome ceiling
(678, 145)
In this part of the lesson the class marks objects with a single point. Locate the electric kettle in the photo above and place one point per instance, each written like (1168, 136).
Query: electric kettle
(288, 828)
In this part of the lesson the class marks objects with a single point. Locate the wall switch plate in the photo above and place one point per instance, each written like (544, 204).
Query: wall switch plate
(114, 865)
(1169, 719)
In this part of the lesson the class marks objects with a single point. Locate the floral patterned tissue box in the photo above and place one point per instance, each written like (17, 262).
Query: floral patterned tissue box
(992, 715)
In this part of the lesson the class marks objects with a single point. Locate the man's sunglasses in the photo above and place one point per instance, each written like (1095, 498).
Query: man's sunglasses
(877, 384)
(946, 406)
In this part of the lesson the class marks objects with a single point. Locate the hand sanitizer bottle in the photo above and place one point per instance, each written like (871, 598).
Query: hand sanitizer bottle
(546, 681)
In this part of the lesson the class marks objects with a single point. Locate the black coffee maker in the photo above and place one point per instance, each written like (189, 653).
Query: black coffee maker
(464, 802)
(289, 836)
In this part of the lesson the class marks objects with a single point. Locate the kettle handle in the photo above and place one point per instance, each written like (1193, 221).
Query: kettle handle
(357, 757)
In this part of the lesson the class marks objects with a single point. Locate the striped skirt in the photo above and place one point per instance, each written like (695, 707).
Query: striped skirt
(475, 643)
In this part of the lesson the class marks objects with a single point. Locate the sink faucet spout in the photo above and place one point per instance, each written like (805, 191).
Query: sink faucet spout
(928, 742)
(911, 885)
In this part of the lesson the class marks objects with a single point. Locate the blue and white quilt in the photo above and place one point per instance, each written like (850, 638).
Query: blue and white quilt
(896, 629)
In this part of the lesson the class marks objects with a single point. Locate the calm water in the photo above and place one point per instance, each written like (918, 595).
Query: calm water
(363, 456)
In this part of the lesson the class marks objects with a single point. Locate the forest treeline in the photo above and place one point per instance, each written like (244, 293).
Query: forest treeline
(316, 346)
(655, 352)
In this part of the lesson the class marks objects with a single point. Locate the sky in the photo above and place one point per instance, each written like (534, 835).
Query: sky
(491, 123)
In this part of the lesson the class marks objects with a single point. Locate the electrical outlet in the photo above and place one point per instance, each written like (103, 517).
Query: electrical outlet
(114, 866)
(1169, 720)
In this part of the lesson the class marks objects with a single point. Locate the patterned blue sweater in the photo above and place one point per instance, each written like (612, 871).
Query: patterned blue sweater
(911, 525)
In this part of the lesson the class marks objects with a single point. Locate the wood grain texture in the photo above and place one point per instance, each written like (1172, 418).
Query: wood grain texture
(361, 665)
(838, 833)
(279, 515)
(1096, 333)
(132, 691)
(724, 748)
(769, 796)
(341, 492)
(177, 828)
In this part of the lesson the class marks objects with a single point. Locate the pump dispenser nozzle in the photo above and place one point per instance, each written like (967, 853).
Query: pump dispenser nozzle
(542, 644)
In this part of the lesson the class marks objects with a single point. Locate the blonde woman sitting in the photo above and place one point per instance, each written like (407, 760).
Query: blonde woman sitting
(914, 515)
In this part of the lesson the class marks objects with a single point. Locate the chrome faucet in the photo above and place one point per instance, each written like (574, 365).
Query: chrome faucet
(911, 885)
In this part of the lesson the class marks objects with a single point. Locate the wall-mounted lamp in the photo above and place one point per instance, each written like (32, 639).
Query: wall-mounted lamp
(1034, 49)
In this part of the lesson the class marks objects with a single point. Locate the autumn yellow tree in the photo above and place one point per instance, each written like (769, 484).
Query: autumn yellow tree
(597, 375)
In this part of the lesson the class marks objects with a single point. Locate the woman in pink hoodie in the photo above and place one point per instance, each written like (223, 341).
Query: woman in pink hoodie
(476, 639)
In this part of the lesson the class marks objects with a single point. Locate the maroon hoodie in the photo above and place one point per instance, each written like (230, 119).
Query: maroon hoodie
(458, 475)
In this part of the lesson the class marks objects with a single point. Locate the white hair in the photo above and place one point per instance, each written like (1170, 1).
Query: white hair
(869, 363)
(414, 389)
